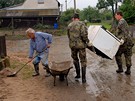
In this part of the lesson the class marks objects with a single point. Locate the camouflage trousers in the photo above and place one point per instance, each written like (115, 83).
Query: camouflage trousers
(127, 51)
(79, 54)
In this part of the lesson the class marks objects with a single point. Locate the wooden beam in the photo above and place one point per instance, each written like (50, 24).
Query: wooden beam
(12, 20)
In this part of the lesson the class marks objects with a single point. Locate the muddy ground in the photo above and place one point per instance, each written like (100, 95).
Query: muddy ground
(103, 83)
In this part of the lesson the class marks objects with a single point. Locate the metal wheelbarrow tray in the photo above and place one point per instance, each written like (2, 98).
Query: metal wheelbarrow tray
(60, 69)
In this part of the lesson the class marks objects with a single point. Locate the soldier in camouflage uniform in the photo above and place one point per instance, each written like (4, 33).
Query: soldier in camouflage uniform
(78, 39)
(126, 44)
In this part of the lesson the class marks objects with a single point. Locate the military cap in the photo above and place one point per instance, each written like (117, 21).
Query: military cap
(76, 15)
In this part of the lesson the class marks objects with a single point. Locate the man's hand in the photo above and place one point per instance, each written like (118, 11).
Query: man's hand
(121, 42)
(89, 44)
(48, 45)
(30, 59)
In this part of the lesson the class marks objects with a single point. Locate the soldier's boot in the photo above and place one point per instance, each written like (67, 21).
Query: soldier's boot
(36, 67)
(46, 67)
(77, 67)
(83, 74)
(120, 69)
(128, 71)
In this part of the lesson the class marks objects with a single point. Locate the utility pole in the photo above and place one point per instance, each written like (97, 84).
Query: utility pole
(74, 6)
(66, 4)
(61, 7)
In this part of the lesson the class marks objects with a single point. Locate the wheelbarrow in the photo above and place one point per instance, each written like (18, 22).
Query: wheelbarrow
(60, 69)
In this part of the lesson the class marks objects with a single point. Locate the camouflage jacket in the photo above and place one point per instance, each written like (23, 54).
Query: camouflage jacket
(123, 32)
(77, 34)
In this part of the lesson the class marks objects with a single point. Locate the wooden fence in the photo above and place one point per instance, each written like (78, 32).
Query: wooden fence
(3, 52)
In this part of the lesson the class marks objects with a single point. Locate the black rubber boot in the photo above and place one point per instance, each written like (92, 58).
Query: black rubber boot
(128, 71)
(46, 67)
(77, 67)
(120, 69)
(36, 67)
(83, 74)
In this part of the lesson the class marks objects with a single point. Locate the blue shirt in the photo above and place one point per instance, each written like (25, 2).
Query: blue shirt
(40, 42)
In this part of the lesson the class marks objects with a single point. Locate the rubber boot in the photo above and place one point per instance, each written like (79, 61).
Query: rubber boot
(36, 67)
(120, 69)
(46, 67)
(128, 71)
(77, 67)
(83, 74)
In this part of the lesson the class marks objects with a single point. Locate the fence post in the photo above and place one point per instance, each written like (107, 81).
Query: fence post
(3, 52)
(4, 60)
(12, 21)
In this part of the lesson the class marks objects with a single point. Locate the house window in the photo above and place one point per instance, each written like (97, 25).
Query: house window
(40, 1)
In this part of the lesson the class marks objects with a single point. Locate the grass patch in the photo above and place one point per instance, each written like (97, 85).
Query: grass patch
(16, 37)
(19, 34)
(26, 72)
(60, 32)
(106, 24)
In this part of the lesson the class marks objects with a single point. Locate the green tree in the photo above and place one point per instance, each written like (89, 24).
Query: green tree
(114, 7)
(128, 9)
(7, 3)
(66, 16)
(106, 14)
(102, 4)
(89, 14)
(108, 3)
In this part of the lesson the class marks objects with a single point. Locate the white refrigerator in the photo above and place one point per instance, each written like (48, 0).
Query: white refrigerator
(105, 43)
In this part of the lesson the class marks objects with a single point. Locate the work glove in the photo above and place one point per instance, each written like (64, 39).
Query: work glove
(121, 42)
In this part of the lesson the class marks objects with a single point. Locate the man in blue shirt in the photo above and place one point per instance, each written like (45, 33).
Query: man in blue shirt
(39, 42)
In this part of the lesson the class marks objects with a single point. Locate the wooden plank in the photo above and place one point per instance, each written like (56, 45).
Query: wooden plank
(3, 52)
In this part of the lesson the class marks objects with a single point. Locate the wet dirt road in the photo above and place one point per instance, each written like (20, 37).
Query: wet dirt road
(103, 84)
